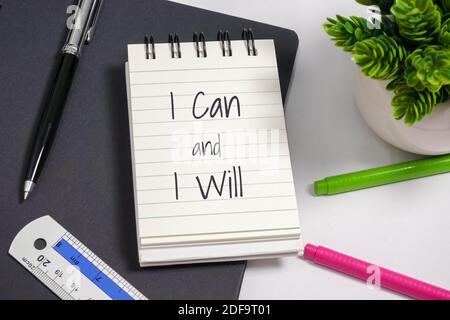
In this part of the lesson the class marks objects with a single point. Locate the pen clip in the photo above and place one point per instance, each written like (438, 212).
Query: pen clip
(95, 14)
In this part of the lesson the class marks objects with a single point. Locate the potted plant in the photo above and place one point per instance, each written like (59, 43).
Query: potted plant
(403, 91)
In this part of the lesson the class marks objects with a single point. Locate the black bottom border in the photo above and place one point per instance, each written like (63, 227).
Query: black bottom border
(196, 310)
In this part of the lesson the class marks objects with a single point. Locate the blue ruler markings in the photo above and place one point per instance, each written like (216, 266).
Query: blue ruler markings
(102, 281)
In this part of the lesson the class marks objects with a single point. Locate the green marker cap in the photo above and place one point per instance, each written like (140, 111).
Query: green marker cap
(321, 188)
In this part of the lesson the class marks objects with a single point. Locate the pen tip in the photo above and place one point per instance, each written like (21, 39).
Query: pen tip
(28, 187)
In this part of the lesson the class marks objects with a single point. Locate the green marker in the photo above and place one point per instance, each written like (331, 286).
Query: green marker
(382, 175)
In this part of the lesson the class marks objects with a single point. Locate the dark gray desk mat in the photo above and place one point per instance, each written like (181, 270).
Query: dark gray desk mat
(87, 183)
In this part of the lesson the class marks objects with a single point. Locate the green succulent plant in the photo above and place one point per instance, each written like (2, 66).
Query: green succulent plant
(411, 48)
(380, 58)
(389, 27)
(444, 5)
(412, 105)
(345, 32)
(418, 20)
(428, 68)
(444, 34)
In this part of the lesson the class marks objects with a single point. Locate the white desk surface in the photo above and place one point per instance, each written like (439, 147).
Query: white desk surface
(404, 227)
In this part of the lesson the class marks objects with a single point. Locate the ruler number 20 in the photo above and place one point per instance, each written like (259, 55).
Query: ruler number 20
(45, 262)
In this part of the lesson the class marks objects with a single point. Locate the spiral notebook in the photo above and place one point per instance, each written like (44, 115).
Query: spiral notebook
(211, 164)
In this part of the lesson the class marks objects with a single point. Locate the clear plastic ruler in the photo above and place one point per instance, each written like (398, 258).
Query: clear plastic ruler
(66, 266)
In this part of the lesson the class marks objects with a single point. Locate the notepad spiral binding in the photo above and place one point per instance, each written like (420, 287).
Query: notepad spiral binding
(200, 44)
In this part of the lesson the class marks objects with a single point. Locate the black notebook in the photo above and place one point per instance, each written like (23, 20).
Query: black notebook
(87, 183)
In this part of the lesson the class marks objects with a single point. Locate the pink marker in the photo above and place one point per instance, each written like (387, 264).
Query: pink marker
(363, 270)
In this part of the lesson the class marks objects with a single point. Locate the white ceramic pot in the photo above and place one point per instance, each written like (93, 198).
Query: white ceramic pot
(431, 136)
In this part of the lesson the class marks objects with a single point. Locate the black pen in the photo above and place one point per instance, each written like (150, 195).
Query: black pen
(81, 28)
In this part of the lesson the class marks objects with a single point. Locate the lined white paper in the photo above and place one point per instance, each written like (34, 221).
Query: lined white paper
(210, 153)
